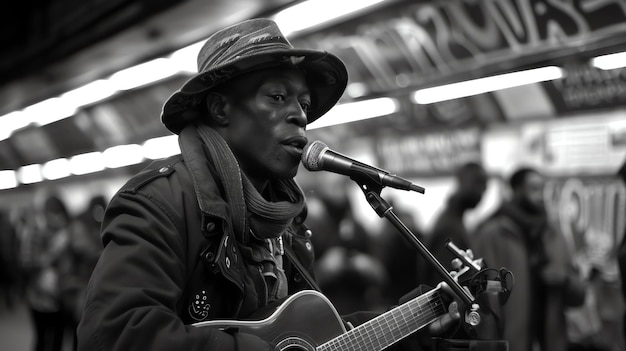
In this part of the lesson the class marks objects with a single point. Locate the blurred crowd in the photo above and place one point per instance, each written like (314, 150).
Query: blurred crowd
(47, 255)
(559, 300)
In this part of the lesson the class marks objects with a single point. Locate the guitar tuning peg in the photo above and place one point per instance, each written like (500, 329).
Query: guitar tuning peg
(457, 263)
(469, 254)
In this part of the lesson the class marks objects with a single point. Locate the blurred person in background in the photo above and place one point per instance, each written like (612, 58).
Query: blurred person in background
(520, 237)
(621, 251)
(215, 232)
(42, 248)
(80, 259)
(9, 262)
(400, 259)
(470, 185)
(346, 269)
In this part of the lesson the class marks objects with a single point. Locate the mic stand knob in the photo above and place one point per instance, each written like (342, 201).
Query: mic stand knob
(473, 317)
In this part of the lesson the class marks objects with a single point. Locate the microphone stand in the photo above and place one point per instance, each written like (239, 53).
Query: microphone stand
(384, 210)
(488, 333)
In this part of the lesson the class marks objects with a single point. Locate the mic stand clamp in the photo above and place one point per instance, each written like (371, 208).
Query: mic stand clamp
(479, 320)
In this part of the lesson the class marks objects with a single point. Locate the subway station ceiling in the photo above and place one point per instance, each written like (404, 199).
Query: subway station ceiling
(51, 47)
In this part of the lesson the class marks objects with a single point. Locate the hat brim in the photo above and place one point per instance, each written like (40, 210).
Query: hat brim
(326, 76)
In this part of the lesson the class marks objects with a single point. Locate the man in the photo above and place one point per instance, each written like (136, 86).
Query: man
(201, 236)
(471, 183)
(518, 236)
(621, 251)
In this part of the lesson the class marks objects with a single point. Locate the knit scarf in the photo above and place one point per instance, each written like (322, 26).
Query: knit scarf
(251, 212)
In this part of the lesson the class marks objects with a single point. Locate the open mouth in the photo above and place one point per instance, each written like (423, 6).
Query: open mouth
(295, 145)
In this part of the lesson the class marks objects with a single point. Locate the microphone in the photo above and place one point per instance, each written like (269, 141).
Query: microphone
(318, 157)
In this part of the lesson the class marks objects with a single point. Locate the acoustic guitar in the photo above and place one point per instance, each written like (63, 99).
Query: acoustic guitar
(308, 321)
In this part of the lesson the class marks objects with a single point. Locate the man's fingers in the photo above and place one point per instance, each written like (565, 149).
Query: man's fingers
(446, 321)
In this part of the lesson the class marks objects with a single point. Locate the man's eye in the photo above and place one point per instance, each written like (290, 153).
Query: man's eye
(306, 106)
(278, 97)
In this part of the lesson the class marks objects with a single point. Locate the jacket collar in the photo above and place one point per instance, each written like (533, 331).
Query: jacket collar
(207, 192)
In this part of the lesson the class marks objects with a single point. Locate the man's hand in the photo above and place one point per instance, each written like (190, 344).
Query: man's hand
(448, 320)
(445, 322)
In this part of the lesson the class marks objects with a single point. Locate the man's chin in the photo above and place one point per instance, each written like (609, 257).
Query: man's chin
(287, 173)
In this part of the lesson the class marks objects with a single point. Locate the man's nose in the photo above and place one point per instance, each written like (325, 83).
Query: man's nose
(297, 115)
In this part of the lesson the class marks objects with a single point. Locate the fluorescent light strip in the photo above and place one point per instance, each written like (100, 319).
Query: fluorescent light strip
(611, 61)
(52, 110)
(93, 92)
(144, 74)
(113, 157)
(49, 111)
(356, 111)
(485, 85)
(313, 12)
(125, 155)
(122, 155)
(86, 163)
(8, 179)
(56, 169)
(30, 174)
(161, 147)
(186, 59)
(12, 122)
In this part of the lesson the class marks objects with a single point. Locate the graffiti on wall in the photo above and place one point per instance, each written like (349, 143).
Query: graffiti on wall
(412, 43)
(590, 212)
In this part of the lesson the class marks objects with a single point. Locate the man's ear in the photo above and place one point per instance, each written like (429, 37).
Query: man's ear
(216, 105)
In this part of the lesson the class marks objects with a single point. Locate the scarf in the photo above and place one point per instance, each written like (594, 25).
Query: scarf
(251, 212)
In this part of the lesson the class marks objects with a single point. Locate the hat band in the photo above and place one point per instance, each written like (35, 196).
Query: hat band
(262, 44)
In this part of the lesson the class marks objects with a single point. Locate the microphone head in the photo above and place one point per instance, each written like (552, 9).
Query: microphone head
(312, 155)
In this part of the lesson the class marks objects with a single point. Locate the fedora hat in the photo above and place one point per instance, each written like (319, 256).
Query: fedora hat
(249, 46)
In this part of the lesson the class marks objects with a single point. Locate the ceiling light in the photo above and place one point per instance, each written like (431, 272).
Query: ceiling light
(12, 122)
(122, 155)
(356, 90)
(49, 111)
(313, 12)
(610, 61)
(485, 85)
(8, 179)
(29, 174)
(161, 147)
(186, 59)
(87, 94)
(143, 74)
(86, 163)
(56, 169)
(356, 111)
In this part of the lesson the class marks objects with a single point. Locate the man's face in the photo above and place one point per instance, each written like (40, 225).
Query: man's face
(266, 113)
(533, 191)
(472, 187)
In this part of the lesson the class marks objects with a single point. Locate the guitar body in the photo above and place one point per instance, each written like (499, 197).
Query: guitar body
(304, 321)
(307, 321)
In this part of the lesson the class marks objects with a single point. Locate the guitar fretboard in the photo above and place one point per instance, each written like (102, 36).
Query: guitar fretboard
(390, 327)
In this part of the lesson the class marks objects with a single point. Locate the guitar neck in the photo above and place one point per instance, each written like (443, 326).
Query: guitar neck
(391, 326)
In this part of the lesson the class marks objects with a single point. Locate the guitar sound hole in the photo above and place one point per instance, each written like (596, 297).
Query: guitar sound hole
(294, 344)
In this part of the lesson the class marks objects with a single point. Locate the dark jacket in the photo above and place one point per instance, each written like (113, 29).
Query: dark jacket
(449, 225)
(179, 265)
(536, 306)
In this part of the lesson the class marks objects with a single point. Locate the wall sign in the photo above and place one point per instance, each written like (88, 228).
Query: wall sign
(412, 43)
